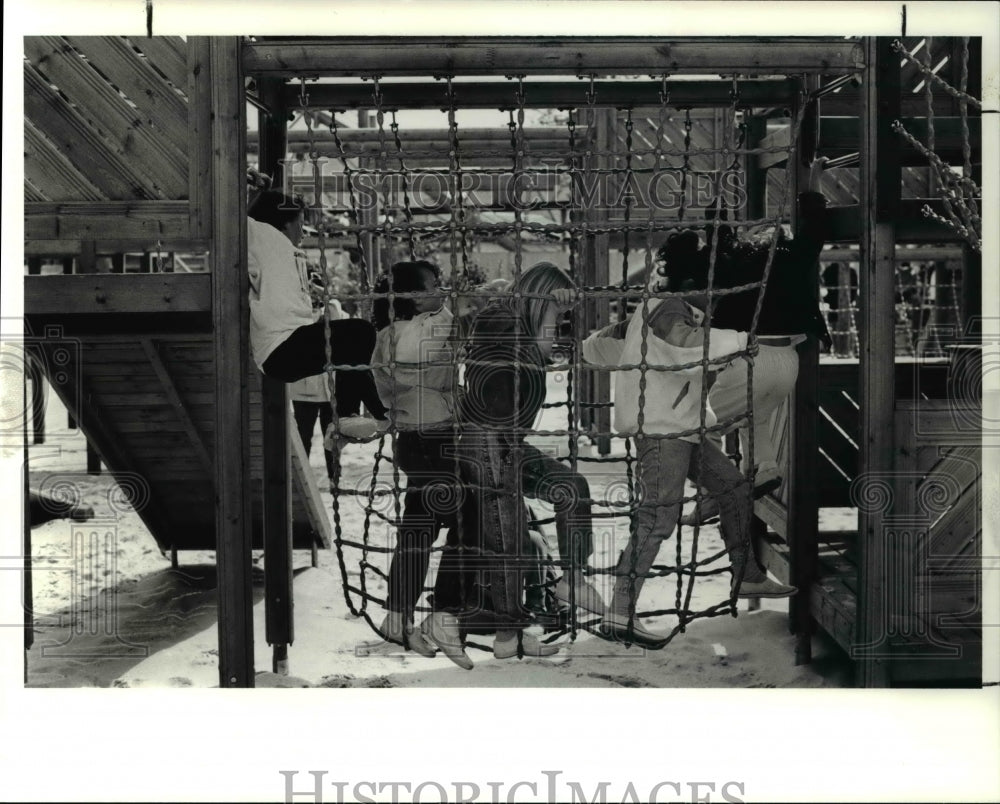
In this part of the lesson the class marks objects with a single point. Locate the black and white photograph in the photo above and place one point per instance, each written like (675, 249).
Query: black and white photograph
(501, 401)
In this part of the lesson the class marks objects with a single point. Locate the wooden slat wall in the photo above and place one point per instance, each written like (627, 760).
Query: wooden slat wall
(157, 166)
(104, 122)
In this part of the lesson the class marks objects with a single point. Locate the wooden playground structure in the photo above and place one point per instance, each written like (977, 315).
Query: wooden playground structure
(139, 146)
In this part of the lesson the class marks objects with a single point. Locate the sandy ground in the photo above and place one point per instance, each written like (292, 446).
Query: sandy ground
(111, 612)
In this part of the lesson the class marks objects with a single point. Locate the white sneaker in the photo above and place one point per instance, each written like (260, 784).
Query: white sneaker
(583, 594)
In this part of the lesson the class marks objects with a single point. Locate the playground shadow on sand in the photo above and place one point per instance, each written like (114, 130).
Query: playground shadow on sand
(98, 638)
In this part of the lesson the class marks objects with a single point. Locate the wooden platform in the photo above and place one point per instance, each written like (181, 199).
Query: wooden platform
(145, 402)
(929, 527)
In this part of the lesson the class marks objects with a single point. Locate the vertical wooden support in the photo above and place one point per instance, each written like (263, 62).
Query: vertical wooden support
(597, 253)
(971, 306)
(803, 500)
(880, 190)
(34, 266)
(93, 460)
(86, 261)
(223, 74)
(277, 486)
(39, 394)
(27, 590)
(755, 175)
(756, 207)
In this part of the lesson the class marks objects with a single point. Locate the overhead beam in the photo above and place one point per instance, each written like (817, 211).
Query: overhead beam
(460, 56)
(542, 94)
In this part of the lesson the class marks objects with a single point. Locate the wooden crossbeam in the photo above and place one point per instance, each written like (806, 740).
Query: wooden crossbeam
(148, 221)
(155, 357)
(839, 136)
(68, 247)
(543, 94)
(111, 293)
(460, 56)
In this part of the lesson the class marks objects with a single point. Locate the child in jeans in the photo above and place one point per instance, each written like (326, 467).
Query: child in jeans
(505, 384)
(418, 392)
(666, 332)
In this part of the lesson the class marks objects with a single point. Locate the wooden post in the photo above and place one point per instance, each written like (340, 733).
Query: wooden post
(755, 175)
(27, 590)
(39, 393)
(880, 191)
(224, 148)
(597, 251)
(93, 460)
(803, 500)
(277, 486)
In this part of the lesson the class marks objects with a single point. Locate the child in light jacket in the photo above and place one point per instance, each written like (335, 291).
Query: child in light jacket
(418, 391)
(662, 407)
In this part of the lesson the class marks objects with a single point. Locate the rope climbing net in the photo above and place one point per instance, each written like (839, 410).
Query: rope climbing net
(377, 196)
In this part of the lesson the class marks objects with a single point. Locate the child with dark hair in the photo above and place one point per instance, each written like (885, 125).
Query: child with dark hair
(288, 336)
(414, 332)
(661, 407)
(505, 385)
(789, 314)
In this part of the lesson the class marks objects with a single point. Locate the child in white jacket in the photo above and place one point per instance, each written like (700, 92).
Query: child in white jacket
(662, 407)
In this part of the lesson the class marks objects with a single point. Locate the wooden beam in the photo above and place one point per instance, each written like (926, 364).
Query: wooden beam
(174, 398)
(93, 420)
(277, 500)
(880, 183)
(840, 136)
(115, 293)
(541, 94)
(70, 248)
(304, 482)
(277, 485)
(460, 56)
(147, 221)
(803, 501)
(911, 226)
(233, 526)
(199, 92)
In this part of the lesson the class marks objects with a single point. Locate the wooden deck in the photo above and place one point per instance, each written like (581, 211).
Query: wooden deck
(146, 402)
(929, 526)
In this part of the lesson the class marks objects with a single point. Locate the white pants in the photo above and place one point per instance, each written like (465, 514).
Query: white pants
(774, 372)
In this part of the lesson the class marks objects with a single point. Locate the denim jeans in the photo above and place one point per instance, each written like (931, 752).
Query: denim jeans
(432, 497)
(774, 372)
(662, 465)
(488, 564)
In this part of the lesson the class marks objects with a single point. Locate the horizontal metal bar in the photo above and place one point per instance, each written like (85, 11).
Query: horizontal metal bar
(544, 94)
(459, 56)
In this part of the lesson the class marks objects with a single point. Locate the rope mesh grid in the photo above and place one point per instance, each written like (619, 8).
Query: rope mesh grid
(395, 220)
